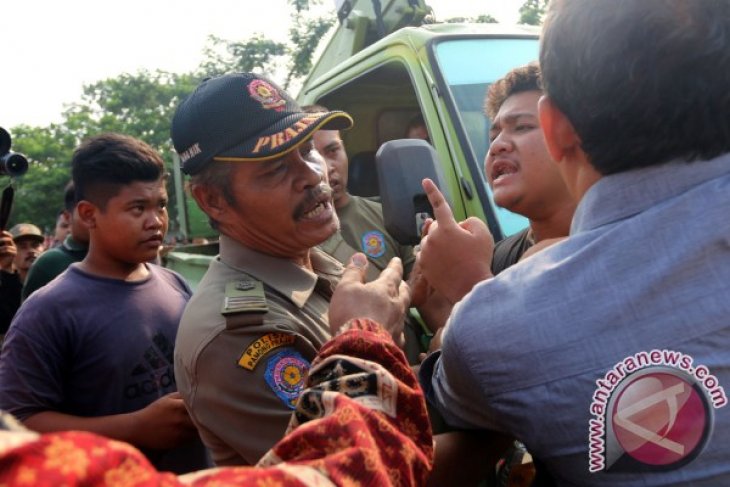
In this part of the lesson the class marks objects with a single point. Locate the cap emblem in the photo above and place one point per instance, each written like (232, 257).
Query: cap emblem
(266, 94)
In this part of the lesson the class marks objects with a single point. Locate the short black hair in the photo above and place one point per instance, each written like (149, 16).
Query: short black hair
(415, 122)
(69, 197)
(103, 164)
(643, 82)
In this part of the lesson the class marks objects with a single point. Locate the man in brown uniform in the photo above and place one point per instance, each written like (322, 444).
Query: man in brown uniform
(259, 315)
(362, 228)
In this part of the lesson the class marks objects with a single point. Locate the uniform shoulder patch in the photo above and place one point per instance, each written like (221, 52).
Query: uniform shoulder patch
(373, 243)
(244, 296)
(286, 375)
(258, 349)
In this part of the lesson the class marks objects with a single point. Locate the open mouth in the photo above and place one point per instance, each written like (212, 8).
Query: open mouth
(317, 210)
(317, 204)
(501, 169)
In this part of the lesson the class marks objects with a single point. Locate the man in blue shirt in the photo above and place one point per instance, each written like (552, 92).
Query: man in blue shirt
(607, 353)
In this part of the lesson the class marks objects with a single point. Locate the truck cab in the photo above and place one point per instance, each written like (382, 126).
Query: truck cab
(438, 71)
(385, 64)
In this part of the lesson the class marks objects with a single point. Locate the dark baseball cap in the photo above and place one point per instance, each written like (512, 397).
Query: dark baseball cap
(27, 231)
(243, 117)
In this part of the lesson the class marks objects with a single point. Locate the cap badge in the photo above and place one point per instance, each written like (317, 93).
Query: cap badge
(266, 94)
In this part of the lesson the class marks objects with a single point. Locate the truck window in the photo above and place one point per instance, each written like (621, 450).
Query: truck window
(467, 83)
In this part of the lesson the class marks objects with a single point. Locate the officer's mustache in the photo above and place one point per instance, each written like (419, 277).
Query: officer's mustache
(318, 194)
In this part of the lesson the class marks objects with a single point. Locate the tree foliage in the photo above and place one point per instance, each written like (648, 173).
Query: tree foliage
(481, 19)
(532, 12)
(256, 54)
(142, 104)
(39, 194)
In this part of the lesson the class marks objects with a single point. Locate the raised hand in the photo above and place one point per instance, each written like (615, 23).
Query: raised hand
(454, 256)
(8, 250)
(384, 300)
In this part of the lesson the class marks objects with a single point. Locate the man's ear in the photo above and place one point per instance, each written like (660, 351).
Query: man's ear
(87, 213)
(560, 136)
(210, 200)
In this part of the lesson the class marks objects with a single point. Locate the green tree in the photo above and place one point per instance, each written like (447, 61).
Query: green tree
(532, 12)
(39, 194)
(307, 31)
(305, 35)
(142, 105)
(255, 54)
(485, 19)
(481, 19)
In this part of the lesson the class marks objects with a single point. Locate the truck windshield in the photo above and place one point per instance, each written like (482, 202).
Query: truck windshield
(468, 67)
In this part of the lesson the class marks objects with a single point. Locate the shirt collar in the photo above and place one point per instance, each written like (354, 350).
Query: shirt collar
(628, 193)
(284, 276)
(70, 244)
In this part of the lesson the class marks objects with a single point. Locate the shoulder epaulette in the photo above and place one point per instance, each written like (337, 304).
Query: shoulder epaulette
(244, 295)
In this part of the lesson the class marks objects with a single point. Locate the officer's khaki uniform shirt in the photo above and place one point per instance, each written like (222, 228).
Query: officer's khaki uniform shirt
(362, 229)
(240, 374)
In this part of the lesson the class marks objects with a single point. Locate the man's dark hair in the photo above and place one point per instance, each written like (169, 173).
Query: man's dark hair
(523, 78)
(416, 122)
(103, 164)
(316, 109)
(217, 175)
(643, 82)
(69, 197)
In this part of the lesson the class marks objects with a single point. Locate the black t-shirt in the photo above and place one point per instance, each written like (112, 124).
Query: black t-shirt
(509, 250)
(10, 288)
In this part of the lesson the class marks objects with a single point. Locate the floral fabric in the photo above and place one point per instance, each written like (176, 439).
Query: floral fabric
(361, 421)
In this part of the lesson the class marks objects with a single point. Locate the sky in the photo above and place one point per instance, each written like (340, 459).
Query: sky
(52, 48)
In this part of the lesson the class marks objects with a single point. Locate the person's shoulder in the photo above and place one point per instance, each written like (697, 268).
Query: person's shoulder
(170, 277)
(508, 251)
(368, 203)
(510, 241)
(58, 288)
(49, 256)
(47, 300)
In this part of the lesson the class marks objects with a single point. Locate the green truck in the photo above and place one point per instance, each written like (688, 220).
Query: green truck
(385, 64)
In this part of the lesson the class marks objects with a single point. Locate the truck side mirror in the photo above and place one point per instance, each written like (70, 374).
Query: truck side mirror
(402, 164)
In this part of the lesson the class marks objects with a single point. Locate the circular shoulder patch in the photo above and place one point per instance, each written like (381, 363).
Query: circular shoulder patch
(373, 243)
(286, 373)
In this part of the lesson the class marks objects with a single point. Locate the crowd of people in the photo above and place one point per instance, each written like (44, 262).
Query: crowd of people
(595, 339)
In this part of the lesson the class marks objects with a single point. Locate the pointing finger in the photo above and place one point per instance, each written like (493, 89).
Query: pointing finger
(441, 210)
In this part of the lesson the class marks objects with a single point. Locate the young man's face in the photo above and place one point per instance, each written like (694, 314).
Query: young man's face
(518, 166)
(329, 144)
(283, 207)
(28, 251)
(130, 229)
(417, 132)
(63, 226)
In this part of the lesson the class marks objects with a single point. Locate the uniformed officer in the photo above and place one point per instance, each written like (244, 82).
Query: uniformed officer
(362, 228)
(260, 313)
